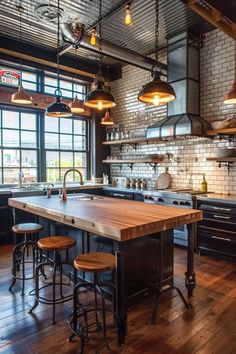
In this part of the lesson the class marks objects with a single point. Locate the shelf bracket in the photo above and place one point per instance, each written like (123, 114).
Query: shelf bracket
(153, 165)
(227, 164)
(130, 165)
(134, 145)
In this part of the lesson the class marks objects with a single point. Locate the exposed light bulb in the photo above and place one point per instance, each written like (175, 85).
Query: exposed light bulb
(100, 105)
(128, 19)
(156, 100)
(93, 37)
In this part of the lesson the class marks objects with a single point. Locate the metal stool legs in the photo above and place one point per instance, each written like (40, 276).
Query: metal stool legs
(57, 265)
(20, 255)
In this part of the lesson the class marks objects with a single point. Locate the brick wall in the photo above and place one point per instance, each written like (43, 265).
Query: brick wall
(189, 161)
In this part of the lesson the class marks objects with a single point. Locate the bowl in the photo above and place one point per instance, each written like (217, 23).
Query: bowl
(225, 152)
(220, 124)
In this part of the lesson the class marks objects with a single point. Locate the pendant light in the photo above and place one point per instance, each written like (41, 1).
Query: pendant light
(230, 97)
(75, 105)
(156, 92)
(20, 96)
(107, 120)
(58, 108)
(128, 18)
(99, 98)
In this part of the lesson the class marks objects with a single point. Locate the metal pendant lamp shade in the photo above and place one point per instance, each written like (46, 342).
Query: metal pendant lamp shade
(99, 98)
(58, 108)
(21, 97)
(107, 120)
(76, 106)
(230, 97)
(157, 92)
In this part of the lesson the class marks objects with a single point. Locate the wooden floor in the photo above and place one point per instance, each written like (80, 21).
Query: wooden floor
(209, 327)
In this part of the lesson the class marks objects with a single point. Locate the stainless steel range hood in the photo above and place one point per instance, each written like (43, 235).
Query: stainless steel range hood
(183, 118)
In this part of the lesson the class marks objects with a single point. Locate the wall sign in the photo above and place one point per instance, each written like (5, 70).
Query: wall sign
(9, 77)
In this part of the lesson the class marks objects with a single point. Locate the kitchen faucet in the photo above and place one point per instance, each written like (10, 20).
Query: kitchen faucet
(64, 195)
(20, 178)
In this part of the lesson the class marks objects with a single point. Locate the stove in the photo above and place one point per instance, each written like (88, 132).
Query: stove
(180, 198)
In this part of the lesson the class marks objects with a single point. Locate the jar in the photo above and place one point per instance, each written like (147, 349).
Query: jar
(126, 134)
(138, 183)
(127, 183)
(112, 135)
(144, 184)
(133, 183)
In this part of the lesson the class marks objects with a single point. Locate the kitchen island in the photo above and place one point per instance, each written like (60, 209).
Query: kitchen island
(141, 235)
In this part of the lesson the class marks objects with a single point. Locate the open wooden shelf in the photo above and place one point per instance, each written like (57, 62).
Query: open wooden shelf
(131, 161)
(225, 131)
(131, 141)
(222, 159)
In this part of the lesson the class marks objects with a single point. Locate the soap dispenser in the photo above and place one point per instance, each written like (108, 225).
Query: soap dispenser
(204, 184)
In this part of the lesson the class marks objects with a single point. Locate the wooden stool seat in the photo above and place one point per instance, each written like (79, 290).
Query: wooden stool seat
(27, 228)
(56, 243)
(95, 262)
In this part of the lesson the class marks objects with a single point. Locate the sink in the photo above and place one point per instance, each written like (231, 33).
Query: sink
(27, 188)
(83, 196)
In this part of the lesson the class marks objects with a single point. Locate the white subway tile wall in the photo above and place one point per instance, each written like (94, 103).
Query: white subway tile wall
(189, 162)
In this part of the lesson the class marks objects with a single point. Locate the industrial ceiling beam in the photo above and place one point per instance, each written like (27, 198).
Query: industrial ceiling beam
(214, 16)
(66, 47)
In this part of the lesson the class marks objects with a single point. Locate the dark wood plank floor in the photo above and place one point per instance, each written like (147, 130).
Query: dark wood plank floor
(209, 327)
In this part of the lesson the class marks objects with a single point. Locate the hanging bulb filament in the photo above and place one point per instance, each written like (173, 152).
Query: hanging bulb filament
(128, 18)
(93, 36)
(100, 105)
(156, 100)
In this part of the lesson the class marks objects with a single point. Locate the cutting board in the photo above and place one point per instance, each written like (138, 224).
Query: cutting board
(163, 180)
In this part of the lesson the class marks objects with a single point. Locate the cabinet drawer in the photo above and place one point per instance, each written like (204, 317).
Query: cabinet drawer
(121, 195)
(218, 208)
(220, 217)
(217, 241)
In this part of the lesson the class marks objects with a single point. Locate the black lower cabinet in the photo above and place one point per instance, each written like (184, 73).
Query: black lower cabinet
(216, 234)
(6, 235)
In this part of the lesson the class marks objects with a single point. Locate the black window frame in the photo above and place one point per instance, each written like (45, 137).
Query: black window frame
(41, 150)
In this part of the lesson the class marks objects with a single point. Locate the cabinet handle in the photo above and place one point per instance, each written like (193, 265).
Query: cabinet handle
(219, 208)
(222, 217)
(222, 238)
(118, 195)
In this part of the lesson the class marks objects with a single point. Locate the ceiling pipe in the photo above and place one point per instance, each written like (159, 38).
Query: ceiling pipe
(109, 49)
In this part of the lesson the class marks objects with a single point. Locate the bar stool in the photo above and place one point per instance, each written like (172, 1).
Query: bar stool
(96, 263)
(21, 252)
(54, 244)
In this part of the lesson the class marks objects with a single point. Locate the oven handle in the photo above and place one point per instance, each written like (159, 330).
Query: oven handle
(222, 217)
(221, 238)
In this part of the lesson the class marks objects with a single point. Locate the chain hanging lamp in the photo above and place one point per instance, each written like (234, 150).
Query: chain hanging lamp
(157, 92)
(58, 108)
(20, 96)
(230, 97)
(99, 98)
(75, 105)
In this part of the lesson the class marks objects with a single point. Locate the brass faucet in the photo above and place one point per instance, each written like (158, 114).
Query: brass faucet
(64, 195)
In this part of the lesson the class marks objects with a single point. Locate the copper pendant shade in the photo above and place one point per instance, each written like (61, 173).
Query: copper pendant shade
(21, 97)
(230, 97)
(107, 120)
(157, 92)
(76, 106)
(58, 108)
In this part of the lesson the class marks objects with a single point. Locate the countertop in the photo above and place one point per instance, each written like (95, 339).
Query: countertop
(38, 188)
(217, 197)
(114, 218)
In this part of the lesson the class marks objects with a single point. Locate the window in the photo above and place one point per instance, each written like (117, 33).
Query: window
(68, 88)
(19, 146)
(66, 146)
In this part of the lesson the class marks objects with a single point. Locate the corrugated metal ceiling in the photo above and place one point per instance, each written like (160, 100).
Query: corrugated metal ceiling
(174, 17)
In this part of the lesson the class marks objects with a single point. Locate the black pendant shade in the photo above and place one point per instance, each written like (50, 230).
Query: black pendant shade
(99, 98)
(157, 92)
(58, 108)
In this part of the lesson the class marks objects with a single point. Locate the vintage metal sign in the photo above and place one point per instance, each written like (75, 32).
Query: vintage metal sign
(9, 76)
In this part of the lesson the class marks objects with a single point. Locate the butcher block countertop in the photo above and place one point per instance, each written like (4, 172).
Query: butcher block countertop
(117, 219)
